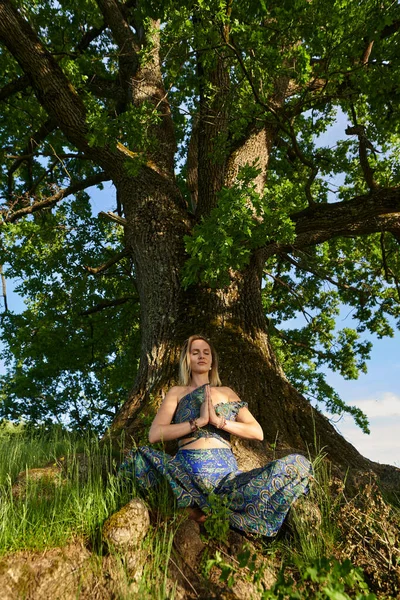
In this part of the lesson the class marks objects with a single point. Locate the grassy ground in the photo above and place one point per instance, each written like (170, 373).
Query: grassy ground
(51, 511)
(310, 558)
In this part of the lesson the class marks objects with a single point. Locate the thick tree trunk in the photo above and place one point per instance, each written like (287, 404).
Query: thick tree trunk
(234, 319)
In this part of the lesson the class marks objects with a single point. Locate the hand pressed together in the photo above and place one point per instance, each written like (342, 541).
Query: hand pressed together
(207, 412)
(204, 418)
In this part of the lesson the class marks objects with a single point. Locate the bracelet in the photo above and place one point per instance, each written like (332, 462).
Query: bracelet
(193, 425)
(222, 423)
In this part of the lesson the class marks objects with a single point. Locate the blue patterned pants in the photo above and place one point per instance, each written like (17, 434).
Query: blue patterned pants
(258, 500)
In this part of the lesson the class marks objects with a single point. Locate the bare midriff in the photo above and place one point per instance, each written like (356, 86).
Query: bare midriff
(203, 443)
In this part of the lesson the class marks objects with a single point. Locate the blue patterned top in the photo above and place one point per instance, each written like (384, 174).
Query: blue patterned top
(189, 408)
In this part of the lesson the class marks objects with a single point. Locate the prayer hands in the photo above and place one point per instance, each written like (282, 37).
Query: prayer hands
(204, 418)
(207, 412)
(213, 417)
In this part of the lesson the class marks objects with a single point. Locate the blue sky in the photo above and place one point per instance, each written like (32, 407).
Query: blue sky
(377, 394)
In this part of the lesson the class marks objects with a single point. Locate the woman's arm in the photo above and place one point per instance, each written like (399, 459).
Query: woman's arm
(162, 430)
(245, 426)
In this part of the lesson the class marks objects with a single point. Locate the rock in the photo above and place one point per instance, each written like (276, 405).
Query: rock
(188, 542)
(123, 573)
(236, 542)
(59, 574)
(125, 529)
(123, 534)
(48, 477)
(183, 585)
(260, 567)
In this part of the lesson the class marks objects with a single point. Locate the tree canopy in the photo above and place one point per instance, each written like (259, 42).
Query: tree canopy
(222, 106)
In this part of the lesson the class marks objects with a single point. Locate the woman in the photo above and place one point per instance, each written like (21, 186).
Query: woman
(201, 414)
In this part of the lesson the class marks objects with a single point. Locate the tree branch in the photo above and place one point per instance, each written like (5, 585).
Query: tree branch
(389, 30)
(115, 259)
(113, 217)
(11, 88)
(106, 88)
(126, 41)
(51, 86)
(89, 37)
(21, 83)
(54, 91)
(142, 82)
(367, 52)
(364, 144)
(339, 284)
(372, 213)
(107, 304)
(52, 200)
(389, 275)
(292, 291)
(312, 350)
(47, 154)
(4, 288)
(212, 124)
(28, 152)
(307, 162)
(267, 107)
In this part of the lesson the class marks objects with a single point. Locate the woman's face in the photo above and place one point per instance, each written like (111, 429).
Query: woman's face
(200, 356)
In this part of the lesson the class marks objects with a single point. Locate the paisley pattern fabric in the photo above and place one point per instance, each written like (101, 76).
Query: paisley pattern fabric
(189, 408)
(257, 501)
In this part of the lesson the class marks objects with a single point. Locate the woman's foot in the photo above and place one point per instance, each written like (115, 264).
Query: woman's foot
(196, 514)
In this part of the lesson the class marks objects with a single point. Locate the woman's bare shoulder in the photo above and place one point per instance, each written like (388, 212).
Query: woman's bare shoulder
(176, 389)
(175, 392)
(229, 393)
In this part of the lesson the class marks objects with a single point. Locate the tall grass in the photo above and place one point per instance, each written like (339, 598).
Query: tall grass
(46, 513)
(315, 529)
(52, 512)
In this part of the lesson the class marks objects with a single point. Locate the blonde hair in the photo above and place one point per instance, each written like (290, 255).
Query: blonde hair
(185, 372)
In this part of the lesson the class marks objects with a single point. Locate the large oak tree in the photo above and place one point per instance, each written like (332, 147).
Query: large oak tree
(231, 216)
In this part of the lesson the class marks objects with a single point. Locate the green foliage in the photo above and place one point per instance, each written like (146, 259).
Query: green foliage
(49, 513)
(85, 492)
(74, 505)
(241, 223)
(217, 522)
(353, 285)
(131, 128)
(311, 554)
(319, 579)
(228, 571)
(62, 358)
(11, 428)
(324, 578)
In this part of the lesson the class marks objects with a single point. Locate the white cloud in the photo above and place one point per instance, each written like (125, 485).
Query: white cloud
(383, 443)
(386, 405)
